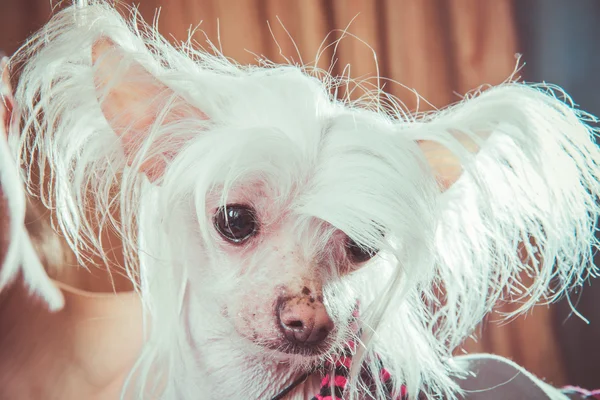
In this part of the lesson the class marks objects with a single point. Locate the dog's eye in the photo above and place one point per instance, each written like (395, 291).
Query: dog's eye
(236, 223)
(358, 254)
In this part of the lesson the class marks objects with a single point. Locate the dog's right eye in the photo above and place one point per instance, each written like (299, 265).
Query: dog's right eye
(236, 223)
(358, 254)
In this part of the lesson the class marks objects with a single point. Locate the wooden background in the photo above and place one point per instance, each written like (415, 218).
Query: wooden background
(439, 48)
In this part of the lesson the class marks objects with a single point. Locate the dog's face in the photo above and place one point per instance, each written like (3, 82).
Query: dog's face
(278, 260)
(286, 267)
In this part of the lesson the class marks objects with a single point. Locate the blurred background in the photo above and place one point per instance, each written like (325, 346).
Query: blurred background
(438, 48)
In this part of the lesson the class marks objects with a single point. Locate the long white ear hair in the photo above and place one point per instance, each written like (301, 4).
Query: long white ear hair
(105, 105)
(21, 255)
(525, 203)
(94, 113)
(518, 169)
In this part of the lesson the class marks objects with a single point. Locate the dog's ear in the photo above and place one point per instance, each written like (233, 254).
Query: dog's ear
(139, 108)
(446, 164)
(526, 200)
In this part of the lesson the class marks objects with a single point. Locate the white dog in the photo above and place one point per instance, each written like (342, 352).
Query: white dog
(258, 215)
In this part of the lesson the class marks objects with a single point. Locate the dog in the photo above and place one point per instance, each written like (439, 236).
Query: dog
(265, 224)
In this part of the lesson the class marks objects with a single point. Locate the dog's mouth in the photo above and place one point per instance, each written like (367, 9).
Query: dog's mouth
(285, 347)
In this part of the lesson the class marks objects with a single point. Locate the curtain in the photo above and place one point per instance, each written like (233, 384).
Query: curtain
(439, 49)
(435, 47)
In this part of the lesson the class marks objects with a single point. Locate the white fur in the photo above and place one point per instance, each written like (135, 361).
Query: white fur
(20, 255)
(320, 163)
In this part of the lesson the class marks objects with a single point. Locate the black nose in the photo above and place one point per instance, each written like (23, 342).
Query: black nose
(304, 320)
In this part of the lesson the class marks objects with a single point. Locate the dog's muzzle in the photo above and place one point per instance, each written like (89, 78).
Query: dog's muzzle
(304, 322)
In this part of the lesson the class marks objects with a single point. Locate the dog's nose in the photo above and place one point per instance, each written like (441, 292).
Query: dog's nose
(304, 320)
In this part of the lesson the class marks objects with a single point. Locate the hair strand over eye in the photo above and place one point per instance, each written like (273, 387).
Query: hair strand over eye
(358, 254)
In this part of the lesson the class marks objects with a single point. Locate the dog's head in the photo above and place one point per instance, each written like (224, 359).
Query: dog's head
(283, 195)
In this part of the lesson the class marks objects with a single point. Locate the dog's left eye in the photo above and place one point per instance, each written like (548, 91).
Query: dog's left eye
(358, 254)
(236, 223)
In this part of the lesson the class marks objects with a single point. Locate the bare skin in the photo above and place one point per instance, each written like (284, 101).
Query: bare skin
(84, 351)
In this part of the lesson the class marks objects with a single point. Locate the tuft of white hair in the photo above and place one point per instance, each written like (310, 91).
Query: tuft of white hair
(20, 255)
(525, 202)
